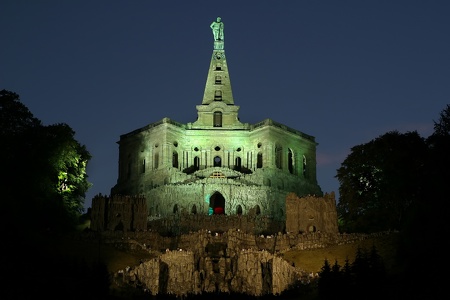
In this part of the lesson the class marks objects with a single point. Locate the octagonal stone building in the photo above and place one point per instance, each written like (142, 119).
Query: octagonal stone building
(217, 164)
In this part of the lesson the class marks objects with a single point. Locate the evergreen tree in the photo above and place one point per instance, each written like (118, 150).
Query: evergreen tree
(336, 280)
(361, 270)
(324, 284)
(376, 265)
(347, 281)
(365, 278)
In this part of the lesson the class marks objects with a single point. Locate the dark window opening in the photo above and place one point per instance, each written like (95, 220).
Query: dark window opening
(143, 166)
(217, 119)
(278, 156)
(259, 161)
(239, 210)
(217, 161)
(156, 160)
(291, 161)
(175, 159)
(304, 166)
(196, 163)
(238, 164)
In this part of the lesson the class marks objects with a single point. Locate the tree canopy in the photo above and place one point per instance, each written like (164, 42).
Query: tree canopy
(379, 180)
(389, 180)
(44, 166)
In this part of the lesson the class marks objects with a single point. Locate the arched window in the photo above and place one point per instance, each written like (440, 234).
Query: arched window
(257, 210)
(217, 119)
(218, 80)
(196, 163)
(156, 160)
(175, 159)
(304, 165)
(218, 95)
(217, 161)
(291, 161)
(239, 210)
(238, 163)
(259, 161)
(278, 156)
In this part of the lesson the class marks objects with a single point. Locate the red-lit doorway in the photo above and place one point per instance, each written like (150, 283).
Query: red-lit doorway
(217, 203)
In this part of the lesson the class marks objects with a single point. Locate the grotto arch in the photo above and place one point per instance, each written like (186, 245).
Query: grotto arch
(239, 210)
(217, 204)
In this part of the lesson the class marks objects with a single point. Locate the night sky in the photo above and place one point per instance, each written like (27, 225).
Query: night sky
(344, 72)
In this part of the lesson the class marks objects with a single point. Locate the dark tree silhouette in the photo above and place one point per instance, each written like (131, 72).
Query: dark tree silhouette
(379, 181)
(43, 186)
(422, 247)
(44, 170)
(365, 278)
(324, 284)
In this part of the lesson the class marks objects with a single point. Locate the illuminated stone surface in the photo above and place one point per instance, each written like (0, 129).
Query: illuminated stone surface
(217, 163)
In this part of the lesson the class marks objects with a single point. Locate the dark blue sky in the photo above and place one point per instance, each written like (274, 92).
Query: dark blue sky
(345, 72)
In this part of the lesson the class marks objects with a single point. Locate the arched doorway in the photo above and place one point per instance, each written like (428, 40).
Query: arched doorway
(217, 204)
(312, 228)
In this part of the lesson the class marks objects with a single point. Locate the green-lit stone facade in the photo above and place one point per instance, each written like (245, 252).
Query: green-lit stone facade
(217, 164)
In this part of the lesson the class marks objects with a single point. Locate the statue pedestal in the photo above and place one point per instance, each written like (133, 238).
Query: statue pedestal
(218, 45)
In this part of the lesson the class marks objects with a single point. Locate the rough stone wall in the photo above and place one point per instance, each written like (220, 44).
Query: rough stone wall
(98, 213)
(185, 223)
(311, 214)
(235, 240)
(250, 272)
(305, 214)
(179, 278)
(148, 273)
(163, 200)
(124, 213)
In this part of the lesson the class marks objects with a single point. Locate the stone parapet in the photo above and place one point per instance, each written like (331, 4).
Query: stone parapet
(119, 213)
